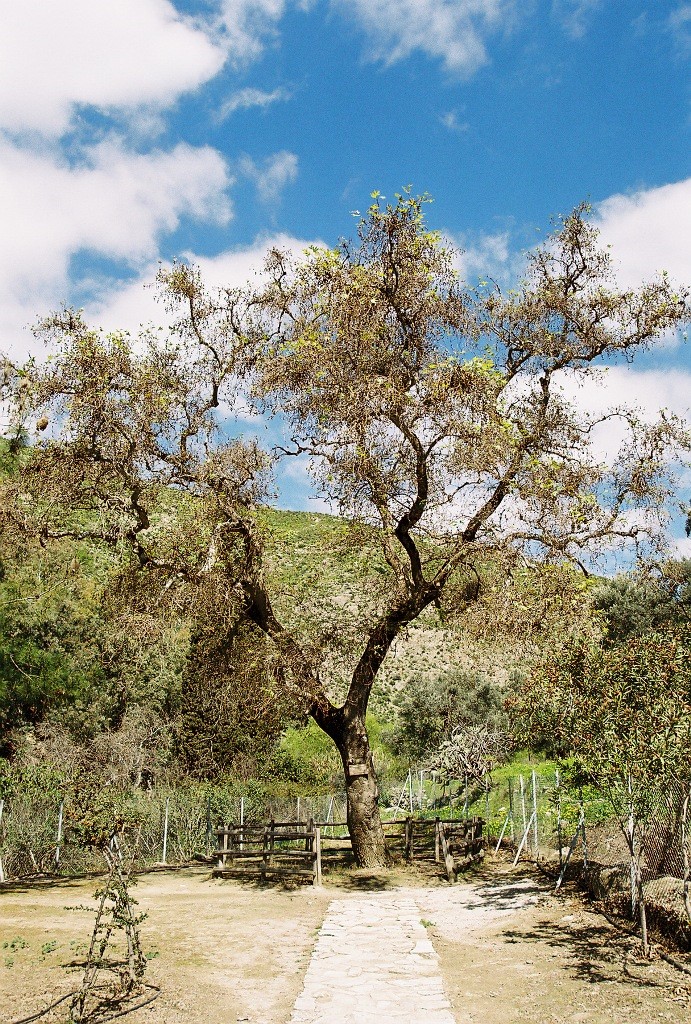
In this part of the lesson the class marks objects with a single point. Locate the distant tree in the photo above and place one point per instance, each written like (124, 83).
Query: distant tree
(431, 711)
(49, 641)
(471, 752)
(431, 415)
(632, 605)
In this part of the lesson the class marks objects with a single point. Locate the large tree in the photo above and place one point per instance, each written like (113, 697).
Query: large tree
(433, 417)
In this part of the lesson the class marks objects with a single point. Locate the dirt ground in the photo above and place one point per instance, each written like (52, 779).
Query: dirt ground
(225, 951)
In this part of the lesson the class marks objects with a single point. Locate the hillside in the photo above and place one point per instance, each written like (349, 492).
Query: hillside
(65, 660)
(329, 580)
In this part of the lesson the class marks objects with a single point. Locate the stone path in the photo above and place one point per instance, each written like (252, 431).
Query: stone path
(373, 964)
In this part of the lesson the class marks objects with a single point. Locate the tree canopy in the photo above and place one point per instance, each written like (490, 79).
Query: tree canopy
(432, 415)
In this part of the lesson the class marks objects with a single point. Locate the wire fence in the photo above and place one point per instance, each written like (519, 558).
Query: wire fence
(533, 814)
(38, 833)
(619, 852)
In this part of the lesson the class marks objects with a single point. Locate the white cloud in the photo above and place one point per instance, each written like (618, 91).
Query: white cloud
(134, 304)
(130, 54)
(649, 231)
(244, 99)
(246, 25)
(575, 14)
(295, 485)
(450, 121)
(452, 31)
(484, 256)
(648, 391)
(235, 268)
(272, 176)
(680, 25)
(116, 204)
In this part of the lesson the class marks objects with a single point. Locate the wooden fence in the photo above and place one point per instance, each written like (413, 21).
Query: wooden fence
(297, 849)
(456, 843)
(280, 849)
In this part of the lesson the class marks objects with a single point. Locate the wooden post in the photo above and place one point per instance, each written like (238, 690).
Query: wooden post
(265, 855)
(224, 843)
(272, 839)
(298, 809)
(436, 840)
(448, 857)
(408, 849)
(165, 832)
(242, 823)
(317, 856)
(208, 825)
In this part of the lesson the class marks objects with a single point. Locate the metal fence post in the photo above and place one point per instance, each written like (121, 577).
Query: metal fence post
(560, 841)
(535, 826)
(165, 832)
(2, 870)
(522, 785)
(511, 823)
(58, 839)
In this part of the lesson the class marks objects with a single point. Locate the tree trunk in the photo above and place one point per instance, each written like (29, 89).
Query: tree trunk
(364, 821)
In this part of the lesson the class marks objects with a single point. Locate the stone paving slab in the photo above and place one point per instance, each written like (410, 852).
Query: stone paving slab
(373, 964)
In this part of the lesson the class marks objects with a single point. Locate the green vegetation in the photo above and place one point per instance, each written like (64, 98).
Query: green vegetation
(432, 416)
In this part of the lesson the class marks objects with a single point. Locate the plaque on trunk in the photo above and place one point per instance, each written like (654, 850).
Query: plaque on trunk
(356, 768)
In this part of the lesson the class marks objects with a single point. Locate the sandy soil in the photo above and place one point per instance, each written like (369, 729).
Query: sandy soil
(220, 951)
(511, 951)
(224, 951)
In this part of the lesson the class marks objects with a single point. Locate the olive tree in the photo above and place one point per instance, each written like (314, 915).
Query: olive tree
(623, 713)
(432, 417)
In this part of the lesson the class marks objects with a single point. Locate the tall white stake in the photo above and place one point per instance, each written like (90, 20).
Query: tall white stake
(165, 832)
(59, 836)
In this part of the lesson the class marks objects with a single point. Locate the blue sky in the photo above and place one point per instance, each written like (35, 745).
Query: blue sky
(139, 130)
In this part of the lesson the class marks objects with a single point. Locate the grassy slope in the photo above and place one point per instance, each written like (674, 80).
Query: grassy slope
(324, 571)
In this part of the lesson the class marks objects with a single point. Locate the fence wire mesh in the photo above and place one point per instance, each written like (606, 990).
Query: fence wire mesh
(534, 814)
(37, 833)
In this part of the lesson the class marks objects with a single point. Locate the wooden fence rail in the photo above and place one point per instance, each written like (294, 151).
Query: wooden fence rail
(455, 842)
(294, 848)
(280, 849)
